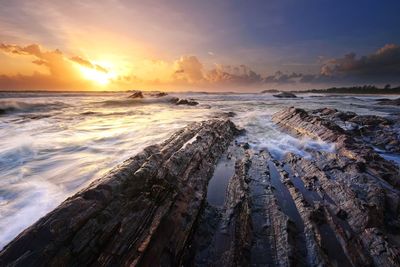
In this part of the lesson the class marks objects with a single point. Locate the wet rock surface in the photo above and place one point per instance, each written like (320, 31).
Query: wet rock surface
(330, 208)
(382, 133)
(353, 193)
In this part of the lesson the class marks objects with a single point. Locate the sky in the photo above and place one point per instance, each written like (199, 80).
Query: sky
(208, 45)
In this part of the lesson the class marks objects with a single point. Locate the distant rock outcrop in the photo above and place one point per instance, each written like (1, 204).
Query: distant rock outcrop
(269, 91)
(392, 102)
(189, 102)
(137, 94)
(285, 95)
(158, 94)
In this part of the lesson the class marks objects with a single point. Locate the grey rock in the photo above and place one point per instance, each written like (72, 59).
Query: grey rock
(285, 95)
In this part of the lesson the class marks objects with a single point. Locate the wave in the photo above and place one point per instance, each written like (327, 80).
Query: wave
(12, 106)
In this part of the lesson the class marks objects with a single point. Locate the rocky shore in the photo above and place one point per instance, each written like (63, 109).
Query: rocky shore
(328, 209)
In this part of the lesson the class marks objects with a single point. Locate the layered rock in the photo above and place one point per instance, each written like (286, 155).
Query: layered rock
(329, 208)
(380, 132)
(141, 213)
(348, 200)
(300, 123)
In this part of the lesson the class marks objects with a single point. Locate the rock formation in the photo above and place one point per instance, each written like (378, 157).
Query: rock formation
(141, 213)
(285, 95)
(136, 94)
(330, 208)
(189, 102)
(158, 94)
(392, 102)
(353, 193)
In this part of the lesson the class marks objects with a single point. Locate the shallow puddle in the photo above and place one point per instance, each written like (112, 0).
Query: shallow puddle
(216, 191)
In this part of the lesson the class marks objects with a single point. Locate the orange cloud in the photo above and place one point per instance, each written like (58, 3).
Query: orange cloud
(188, 68)
(64, 72)
(88, 64)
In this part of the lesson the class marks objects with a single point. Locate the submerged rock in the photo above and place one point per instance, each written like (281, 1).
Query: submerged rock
(178, 101)
(137, 94)
(140, 213)
(285, 95)
(392, 102)
(158, 94)
(269, 91)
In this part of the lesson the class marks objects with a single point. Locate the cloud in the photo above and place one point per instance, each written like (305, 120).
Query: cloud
(379, 66)
(88, 64)
(233, 74)
(62, 74)
(281, 78)
(188, 68)
(382, 66)
(191, 70)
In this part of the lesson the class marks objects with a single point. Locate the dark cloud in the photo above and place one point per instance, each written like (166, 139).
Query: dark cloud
(379, 66)
(382, 66)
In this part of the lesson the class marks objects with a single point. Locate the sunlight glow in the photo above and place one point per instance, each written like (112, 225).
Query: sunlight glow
(97, 76)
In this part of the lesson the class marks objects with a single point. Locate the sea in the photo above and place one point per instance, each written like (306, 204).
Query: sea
(54, 144)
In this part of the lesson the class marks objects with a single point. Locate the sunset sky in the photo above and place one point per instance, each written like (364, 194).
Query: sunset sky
(233, 45)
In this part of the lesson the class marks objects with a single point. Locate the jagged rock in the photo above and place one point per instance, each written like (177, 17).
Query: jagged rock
(137, 94)
(300, 123)
(332, 207)
(344, 192)
(285, 95)
(377, 131)
(140, 213)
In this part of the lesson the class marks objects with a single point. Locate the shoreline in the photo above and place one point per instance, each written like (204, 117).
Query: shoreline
(304, 201)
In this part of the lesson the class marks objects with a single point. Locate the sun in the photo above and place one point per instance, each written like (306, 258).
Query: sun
(100, 77)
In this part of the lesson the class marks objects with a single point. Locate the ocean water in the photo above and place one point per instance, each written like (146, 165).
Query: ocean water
(54, 144)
